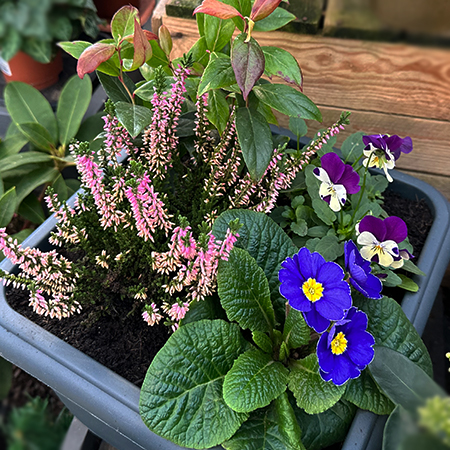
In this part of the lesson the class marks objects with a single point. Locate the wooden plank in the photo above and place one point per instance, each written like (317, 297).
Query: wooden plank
(357, 75)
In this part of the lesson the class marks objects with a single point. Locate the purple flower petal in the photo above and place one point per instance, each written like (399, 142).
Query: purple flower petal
(350, 179)
(333, 165)
(396, 229)
(373, 225)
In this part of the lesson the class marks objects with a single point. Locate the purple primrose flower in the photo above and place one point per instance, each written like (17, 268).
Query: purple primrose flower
(346, 349)
(359, 271)
(383, 150)
(338, 180)
(380, 239)
(315, 287)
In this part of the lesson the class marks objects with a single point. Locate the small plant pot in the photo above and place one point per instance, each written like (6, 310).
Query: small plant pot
(108, 404)
(24, 68)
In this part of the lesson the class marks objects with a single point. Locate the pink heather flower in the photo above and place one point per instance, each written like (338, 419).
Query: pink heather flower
(178, 310)
(151, 315)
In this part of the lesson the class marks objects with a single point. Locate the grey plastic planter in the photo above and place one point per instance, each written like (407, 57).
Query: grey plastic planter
(108, 404)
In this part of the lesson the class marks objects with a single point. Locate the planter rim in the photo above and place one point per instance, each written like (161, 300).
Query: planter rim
(108, 404)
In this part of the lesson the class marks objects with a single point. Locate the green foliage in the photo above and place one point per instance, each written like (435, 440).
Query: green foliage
(35, 27)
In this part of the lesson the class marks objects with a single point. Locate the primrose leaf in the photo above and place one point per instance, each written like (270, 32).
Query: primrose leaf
(247, 60)
(322, 430)
(282, 64)
(296, 333)
(313, 394)
(254, 381)
(218, 74)
(262, 341)
(244, 292)
(404, 382)
(188, 373)
(262, 238)
(133, 117)
(287, 100)
(271, 428)
(255, 139)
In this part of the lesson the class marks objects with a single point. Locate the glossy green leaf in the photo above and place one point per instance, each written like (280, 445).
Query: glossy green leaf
(26, 104)
(244, 292)
(60, 187)
(72, 186)
(298, 126)
(404, 382)
(185, 376)
(39, 50)
(407, 283)
(11, 43)
(33, 180)
(31, 209)
(122, 24)
(288, 425)
(38, 136)
(399, 425)
(287, 100)
(295, 333)
(8, 205)
(218, 109)
(114, 88)
(133, 117)
(12, 145)
(255, 139)
(264, 240)
(14, 161)
(218, 74)
(279, 18)
(282, 64)
(218, 32)
(254, 381)
(199, 53)
(159, 58)
(72, 105)
(313, 394)
(247, 60)
(322, 430)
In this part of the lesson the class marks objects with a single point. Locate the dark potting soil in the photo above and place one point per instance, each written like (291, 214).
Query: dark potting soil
(127, 345)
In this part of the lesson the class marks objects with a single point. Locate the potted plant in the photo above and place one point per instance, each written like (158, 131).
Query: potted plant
(162, 225)
(29, 32)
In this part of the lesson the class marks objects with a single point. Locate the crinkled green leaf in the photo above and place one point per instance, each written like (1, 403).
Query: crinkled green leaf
(133, 117)
(313, 394)
(322, 430)
(287, 100)
(186, 376)
(263, 341)
(254, 381)
(295, 333)
(404, 382)
(262, 238)
(255, 139)
(244, 292)
(289, 428)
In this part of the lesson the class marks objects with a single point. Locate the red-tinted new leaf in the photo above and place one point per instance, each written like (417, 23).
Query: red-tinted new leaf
(93, 56)
(263, 8)
(142, 49)
(217, 9)
(148, 34)
(247, 60)
(165, 39)
(122, 24)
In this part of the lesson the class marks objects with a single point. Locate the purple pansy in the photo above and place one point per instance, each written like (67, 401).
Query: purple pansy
(383, 150)
(359, 271)
(346, 349)
(380, 239)
(338, 180)
(315, 287)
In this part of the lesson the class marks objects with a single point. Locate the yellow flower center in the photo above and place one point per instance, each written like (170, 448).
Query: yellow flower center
(339, 344)
(312, 289)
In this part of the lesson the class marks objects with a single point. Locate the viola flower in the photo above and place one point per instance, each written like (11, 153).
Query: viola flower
(346, 349)
(380, 239)
(359, 271)
(338, 180)
(315, 287)
(383, 150)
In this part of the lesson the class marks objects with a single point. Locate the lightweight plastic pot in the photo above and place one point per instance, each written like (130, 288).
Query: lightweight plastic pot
(108, 404)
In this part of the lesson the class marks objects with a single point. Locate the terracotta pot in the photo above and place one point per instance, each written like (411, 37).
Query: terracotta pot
(25, 68)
